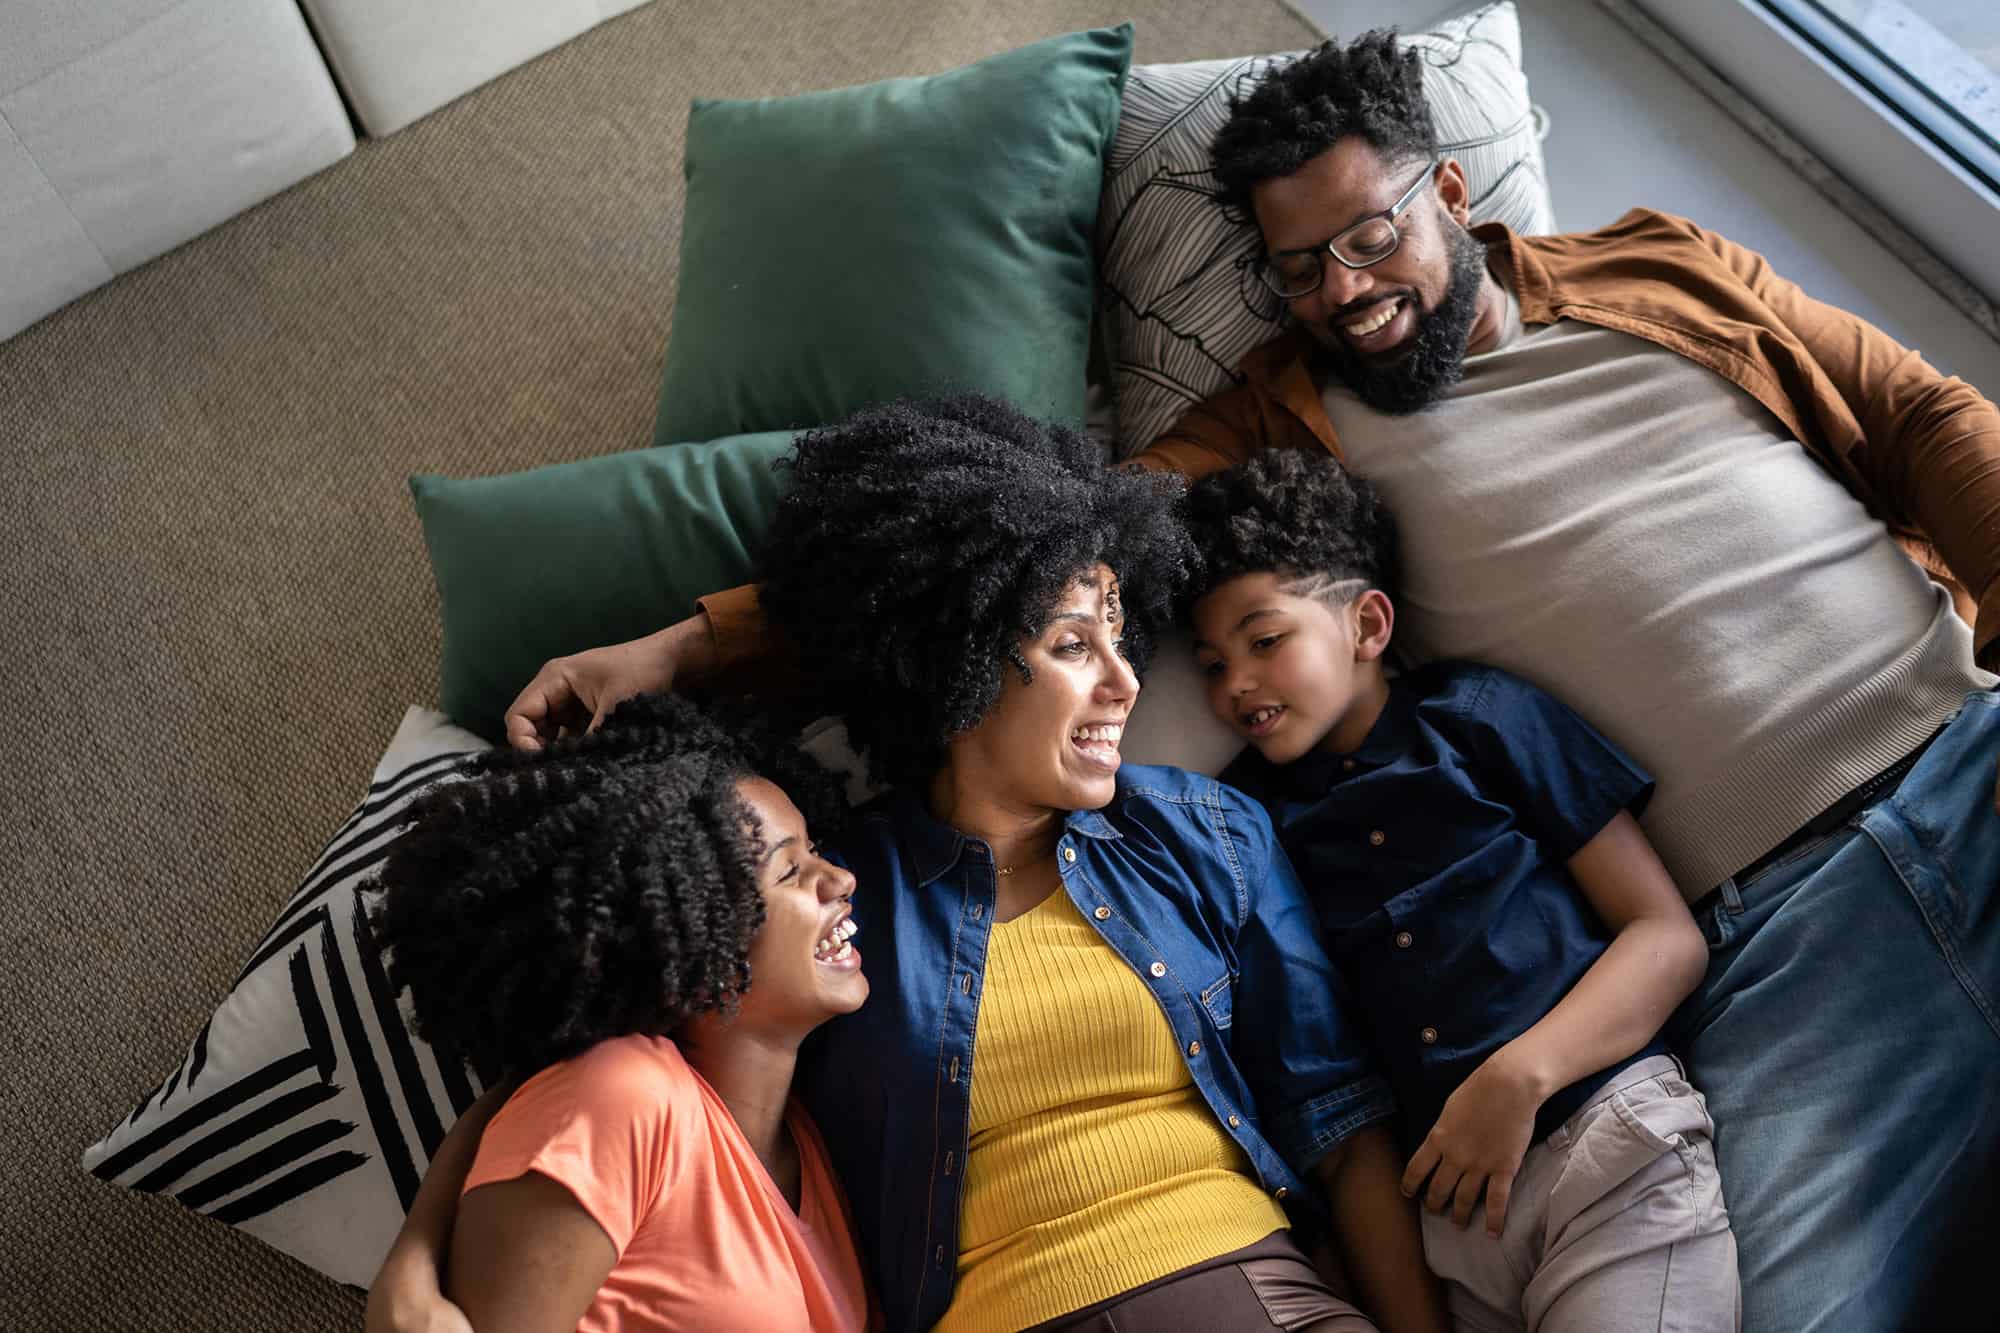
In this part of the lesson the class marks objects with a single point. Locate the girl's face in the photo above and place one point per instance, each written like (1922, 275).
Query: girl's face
(1052, 743)
(804, 969)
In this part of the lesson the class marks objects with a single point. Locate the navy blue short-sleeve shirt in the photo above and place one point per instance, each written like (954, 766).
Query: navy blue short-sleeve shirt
(1436, 857)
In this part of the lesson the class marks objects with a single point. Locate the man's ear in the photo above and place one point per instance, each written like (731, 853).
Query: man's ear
(1374, 620)
(1453, 192)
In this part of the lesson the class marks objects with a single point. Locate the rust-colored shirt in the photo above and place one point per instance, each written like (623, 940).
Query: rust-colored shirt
(1919, 448)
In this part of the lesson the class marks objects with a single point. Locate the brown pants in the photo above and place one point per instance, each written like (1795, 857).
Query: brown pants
(1267, 1286)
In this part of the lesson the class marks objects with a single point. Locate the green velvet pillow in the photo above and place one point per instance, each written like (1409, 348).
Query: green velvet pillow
(914, 236)
(532, 565)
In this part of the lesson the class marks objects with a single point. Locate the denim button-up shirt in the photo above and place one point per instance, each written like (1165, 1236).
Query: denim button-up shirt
(1437, 857)
(1184, 880)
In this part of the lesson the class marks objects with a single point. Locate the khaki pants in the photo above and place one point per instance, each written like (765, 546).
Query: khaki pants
(1615, 1224)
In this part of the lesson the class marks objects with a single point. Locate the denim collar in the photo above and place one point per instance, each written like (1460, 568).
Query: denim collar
(936, 846)
(1386, 741)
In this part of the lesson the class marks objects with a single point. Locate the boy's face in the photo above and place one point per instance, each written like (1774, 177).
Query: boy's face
(1284, 671)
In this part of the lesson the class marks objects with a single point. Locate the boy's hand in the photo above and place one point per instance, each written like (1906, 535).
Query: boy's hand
(1477, 1144)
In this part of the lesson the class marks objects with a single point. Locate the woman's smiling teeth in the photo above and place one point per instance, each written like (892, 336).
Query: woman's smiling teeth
(1098, 742)
(835, 947)
(1368, 324)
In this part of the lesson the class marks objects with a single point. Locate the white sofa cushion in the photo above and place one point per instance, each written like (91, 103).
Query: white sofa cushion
(398, 61)
(130, 126)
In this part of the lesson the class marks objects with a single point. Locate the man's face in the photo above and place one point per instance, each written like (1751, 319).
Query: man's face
(1395, 332)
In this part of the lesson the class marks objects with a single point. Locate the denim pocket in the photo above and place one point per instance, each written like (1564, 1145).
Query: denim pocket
(1216, 997)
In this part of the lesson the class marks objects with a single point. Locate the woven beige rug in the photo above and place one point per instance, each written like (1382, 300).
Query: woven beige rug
(214, 599)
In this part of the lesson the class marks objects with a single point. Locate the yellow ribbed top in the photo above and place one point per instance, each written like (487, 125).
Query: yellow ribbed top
(1095, 1165)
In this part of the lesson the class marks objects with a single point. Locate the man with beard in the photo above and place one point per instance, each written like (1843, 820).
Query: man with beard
(1722, 521)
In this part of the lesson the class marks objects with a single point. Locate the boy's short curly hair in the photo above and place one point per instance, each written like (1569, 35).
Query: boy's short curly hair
(603, 887)
(1372, 87)
(922, 540)
(1296, 514)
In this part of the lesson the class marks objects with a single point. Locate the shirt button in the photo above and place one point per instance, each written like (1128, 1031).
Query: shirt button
(1194, 1048)
(1429, 1037)
(1069, 855)
(1234, 1123)
(940, 1256)
(1347, 765)
(950, 1160)
(965, 984)
(1280, 1192)
(1158, 969)
(1404, 939)
(1377, 838)
(954, 1060)
(978, 910)
(1102, 914)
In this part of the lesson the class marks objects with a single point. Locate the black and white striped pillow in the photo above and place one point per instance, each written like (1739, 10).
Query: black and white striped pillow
(305, 1112)
(1185, 307)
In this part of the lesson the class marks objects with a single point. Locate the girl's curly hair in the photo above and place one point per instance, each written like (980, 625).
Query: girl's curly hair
(1293, 513)
(602, 887)
(1372, 87)
(921, 541)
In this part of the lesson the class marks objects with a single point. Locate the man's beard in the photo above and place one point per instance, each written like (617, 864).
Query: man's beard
(1434, 358)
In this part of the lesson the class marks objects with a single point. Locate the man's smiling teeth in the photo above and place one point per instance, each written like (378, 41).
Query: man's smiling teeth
(1097, 735)
(836, 945)
(1361, 328)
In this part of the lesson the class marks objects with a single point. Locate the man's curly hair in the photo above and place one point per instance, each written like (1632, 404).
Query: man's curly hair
(922, 540)
(1372, 87)
(603, 887)
(1297, 514)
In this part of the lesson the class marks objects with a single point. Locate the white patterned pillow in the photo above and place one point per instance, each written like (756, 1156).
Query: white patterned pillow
(305, 1112)
(1184, 304)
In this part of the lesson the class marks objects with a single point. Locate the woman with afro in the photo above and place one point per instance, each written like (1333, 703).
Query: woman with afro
(1103, 1051)
(630, 933)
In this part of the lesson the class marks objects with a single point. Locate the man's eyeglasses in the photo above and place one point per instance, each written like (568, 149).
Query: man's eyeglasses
(1295, 273)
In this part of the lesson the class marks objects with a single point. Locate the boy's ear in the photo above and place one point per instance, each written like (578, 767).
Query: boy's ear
(1374, 623)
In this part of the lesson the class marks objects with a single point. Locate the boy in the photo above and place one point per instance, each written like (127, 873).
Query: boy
(1514, 944)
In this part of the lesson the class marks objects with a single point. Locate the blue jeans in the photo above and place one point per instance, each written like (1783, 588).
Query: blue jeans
(1848, 1040)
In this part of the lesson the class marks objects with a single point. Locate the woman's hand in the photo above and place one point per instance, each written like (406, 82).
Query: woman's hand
(405, 1298)
(1477, 1144)
(574, 694)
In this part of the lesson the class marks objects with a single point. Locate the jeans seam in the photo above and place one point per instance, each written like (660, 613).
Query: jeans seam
(1941, 938)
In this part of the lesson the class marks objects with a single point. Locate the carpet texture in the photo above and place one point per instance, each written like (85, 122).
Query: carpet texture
(215, 589)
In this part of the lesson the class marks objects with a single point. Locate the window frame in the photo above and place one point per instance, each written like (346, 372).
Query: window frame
(1807, 74)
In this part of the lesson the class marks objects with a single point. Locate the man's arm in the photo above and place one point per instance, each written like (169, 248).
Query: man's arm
(1930, 455)
(1215, 433)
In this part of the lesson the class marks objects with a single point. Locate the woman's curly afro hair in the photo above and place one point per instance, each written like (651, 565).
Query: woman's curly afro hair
(1372, 87)
(603, 887)
(921, 541)
(1293, 513)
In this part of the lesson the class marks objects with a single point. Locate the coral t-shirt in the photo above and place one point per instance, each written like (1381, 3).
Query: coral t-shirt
(704, 1238)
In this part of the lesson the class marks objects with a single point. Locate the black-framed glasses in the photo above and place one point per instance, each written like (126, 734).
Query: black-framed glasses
(1294, 273)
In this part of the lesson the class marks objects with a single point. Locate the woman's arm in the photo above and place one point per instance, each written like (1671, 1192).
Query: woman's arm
(1379, 1236)
(526, 1257)
(407, 1295)
(1655, 959)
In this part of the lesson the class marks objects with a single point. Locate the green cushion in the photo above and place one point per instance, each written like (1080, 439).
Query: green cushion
(901, 238)
(536, 564)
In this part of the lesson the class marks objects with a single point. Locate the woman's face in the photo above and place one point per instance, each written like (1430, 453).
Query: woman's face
(803, 967)
(1052, 743)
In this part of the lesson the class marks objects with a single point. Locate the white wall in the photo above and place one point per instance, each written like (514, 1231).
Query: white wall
(1628, 131)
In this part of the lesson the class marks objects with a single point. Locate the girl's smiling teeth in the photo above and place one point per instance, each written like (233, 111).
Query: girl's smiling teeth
(833, 947)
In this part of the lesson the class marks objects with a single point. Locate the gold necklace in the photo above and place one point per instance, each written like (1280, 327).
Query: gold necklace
(1022, 865)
